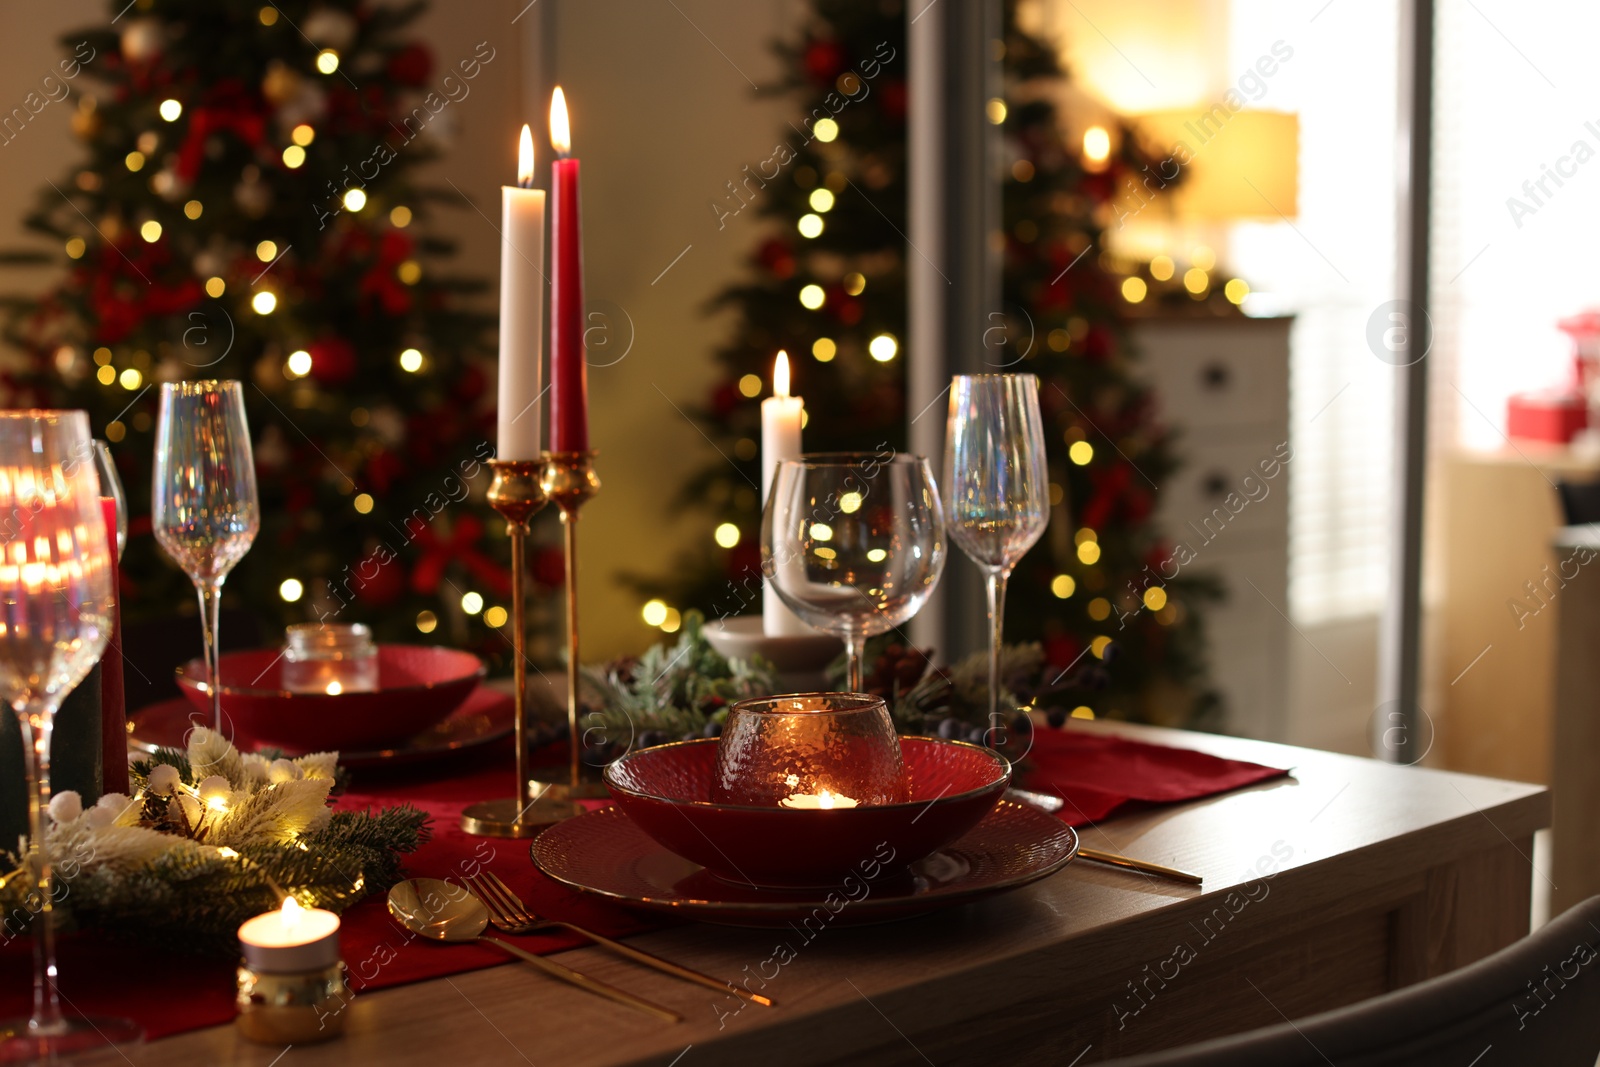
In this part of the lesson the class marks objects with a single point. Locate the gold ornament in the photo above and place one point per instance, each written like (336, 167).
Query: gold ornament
(281, 84)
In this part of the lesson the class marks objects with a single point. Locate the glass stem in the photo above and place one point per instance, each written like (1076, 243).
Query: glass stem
(995, 581)
(36, 724)
(210, 614)
(853, 650)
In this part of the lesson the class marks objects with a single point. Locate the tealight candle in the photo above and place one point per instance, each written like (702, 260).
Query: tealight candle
(820, 799)
(810, 751)
(291, 987)
(293, 938)
(330, 658)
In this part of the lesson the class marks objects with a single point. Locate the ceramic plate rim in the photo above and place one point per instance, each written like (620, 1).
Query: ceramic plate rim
(368, 757)
(928, 901)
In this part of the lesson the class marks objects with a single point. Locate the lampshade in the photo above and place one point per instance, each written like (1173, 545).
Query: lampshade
(1238, 165)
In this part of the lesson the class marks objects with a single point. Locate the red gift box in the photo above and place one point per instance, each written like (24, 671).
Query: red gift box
(1552, 415)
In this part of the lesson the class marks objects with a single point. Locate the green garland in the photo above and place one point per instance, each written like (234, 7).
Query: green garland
(207, 839)
(684, 690)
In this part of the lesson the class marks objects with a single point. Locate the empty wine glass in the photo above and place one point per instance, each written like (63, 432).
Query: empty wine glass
(205, 510)
(853, 543)
(55, 620)
(998, 500)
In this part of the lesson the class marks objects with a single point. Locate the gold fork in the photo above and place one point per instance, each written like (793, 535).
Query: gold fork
(511, 915)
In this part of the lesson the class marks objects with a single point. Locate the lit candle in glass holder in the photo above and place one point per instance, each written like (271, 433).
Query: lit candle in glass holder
(291, 986)
(330, 658)
(810, 751)
(823, 798)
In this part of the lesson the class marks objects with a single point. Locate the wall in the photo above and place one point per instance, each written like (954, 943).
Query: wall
(662, 116)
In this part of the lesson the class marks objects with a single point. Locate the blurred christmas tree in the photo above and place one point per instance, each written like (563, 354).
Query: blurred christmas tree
(828, 284)
(248, 209)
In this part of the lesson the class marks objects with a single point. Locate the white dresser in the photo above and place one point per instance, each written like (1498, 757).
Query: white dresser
(1223, 386)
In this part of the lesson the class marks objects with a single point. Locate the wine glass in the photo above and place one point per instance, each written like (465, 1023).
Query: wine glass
(55, 620)
(853, 543)
(205, 511)
(998, 501)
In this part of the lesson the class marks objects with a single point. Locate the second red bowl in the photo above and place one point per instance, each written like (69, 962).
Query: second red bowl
(666, 790)
(418, 687)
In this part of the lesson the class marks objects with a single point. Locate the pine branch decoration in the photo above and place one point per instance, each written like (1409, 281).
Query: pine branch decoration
(210, 838)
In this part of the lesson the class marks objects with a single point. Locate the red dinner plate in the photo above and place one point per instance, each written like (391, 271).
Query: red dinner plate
(485, 716)
(606, 854)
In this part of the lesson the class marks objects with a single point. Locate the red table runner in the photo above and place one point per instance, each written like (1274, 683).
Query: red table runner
(1095, 773)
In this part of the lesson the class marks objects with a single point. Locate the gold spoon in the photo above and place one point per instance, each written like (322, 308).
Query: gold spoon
(443, 912)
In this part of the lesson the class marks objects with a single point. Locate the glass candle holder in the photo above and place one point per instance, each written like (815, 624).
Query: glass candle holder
(291, 1009)
(291, 981)
(330, 658)
(810, 750)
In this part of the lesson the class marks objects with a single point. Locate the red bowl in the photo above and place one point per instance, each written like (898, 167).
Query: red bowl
(418, 687)
(666, 790)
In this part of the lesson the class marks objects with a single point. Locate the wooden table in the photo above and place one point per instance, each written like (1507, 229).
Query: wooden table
(1349, 879)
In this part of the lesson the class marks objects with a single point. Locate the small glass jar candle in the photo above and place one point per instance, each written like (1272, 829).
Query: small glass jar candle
(291, 984)
(330, 658)
(810, 750)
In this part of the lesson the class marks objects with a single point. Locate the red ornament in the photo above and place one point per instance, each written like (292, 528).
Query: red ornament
(893, 95)
(382, 470)
(411, 65)
(333, 360)
(824, 59)
(724, 398)
(776, 257)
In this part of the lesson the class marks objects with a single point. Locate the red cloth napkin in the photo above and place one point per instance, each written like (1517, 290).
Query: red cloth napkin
(1098, 774)
(1095, 773)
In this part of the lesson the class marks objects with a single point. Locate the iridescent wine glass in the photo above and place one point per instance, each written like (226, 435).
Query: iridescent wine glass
(853, 543)
(997, 494)
(205, 510)
(56, 579)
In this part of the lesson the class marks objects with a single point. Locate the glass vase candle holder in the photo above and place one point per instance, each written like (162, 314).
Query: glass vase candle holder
(328, 658)
(810, 750)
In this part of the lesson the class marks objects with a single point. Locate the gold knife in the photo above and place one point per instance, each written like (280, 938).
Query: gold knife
(1052, 804)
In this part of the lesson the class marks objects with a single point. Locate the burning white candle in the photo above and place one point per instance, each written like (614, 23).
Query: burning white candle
(781, 418)
(291, 940)
(521, 310)
(820, 799)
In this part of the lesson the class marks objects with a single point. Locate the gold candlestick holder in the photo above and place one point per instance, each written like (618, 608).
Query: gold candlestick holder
(569, 483)
(517, 492)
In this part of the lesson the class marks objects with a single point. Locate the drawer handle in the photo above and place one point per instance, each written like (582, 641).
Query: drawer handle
(1215, 485)
(1215, 376)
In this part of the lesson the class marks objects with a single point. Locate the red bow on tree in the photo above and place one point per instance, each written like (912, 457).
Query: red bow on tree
(380, 281)
(462, 547)
(231, 116)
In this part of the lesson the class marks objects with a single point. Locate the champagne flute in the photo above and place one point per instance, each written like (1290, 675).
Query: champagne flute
(853, 543)
(998, 494)
(55, 620)
(205, 510)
